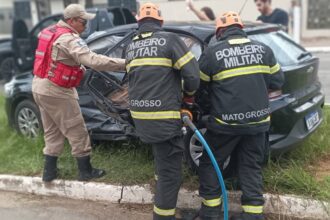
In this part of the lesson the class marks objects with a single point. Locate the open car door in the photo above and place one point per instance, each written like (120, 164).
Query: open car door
(109, 90)
(24, 43)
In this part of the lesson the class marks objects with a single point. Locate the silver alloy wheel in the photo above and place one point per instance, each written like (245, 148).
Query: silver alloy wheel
(28, 122)
(196, 149)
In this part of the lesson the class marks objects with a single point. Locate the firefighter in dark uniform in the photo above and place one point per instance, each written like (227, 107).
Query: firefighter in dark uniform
(159, 67)
(237, 73)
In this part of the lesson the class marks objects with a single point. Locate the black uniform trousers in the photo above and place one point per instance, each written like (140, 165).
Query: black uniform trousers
(251, 151)
(168, 164)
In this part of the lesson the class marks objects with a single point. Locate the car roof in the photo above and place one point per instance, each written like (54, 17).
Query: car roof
(202, 30)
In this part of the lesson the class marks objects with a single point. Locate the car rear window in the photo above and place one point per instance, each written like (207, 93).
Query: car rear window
(285, 50)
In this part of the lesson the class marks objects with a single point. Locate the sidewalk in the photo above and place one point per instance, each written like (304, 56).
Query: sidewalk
(317, 44)
(278, 205)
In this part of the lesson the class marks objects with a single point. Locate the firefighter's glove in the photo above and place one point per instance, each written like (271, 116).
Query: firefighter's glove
(185, 112)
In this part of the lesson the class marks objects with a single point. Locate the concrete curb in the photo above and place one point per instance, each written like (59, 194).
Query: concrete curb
(318, 49)
(281, 205)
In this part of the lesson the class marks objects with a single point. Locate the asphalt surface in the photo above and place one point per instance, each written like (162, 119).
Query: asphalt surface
(324, 74)
(16, 206)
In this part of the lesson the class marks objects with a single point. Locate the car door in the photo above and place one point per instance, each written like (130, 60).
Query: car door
(24, 43)
(103, 85)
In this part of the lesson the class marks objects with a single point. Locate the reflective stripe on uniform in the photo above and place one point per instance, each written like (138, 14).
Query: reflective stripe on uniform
(144, 35)
(204, 77)
(250, 123)
(190, 93)
(239, 41)
(45, 36)
(149, 62)
(164, 212)
(241, 71)
(275, 68)
(211, 202)
(156, 115)
(40, 53)
(252, 209)
(183, 60)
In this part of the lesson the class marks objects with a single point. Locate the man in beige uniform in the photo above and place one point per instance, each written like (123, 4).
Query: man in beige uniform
(60, 112)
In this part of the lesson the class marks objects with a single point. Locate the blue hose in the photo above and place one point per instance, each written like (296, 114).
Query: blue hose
(187, 121)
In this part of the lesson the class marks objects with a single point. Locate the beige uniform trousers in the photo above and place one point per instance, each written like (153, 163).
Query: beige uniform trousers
(62, 118)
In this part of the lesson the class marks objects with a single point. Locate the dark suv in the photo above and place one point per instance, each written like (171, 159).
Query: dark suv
(296, 110)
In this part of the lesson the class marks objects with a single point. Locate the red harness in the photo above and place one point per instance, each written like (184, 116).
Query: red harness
(44, 67)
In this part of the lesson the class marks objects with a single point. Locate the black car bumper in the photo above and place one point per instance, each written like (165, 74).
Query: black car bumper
(299, 130)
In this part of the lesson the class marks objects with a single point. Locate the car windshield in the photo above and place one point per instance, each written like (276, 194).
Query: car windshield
(285, 50)
(102, 44)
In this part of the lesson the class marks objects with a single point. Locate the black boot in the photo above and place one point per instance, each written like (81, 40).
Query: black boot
(50, 168)
(86, 171)
(209, 213)
(248, 216)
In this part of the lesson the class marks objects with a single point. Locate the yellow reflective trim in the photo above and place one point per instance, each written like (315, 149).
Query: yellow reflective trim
(253, 209)
(164, 212)
(156, 115)
(144, 35)
(250, 123)
(239, 41)
(275, 68)
(149, 62)
(241, 71)
(204, 77)
(183, 60)
(190, 93)
(211, 202)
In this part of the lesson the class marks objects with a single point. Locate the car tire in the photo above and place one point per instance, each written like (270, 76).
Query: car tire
(7, 68)
(27, 119)
(194, 150)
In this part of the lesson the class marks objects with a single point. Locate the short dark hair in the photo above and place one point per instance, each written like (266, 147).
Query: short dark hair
(209, 13)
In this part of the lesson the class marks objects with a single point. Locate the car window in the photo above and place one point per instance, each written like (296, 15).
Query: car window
(285, 50)
(102, 44)
(44, 24)
(193, 45)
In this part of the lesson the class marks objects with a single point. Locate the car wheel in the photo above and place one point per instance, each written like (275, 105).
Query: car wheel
(7, 68)
(194, 151)
(27, 119)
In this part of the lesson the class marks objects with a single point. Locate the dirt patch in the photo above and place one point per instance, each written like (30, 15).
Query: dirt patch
(321, 169)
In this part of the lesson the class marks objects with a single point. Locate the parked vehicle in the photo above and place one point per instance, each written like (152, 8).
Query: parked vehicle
(16, 54)
(296, 110)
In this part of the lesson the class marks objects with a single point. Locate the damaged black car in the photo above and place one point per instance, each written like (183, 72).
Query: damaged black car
(296, 110)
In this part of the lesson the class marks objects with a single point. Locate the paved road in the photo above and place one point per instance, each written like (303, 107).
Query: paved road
(324, 73)
(15, 206)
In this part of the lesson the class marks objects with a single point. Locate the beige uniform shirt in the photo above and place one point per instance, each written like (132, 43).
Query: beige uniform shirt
(71, 50)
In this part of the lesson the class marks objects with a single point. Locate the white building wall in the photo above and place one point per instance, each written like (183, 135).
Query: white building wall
(177, 10)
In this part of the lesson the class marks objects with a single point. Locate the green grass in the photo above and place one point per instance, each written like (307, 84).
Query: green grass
(291, 173)
(132, 163)
(125, 163)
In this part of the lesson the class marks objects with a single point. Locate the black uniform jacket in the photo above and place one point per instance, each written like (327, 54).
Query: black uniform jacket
(159, 65)
(238, 72)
